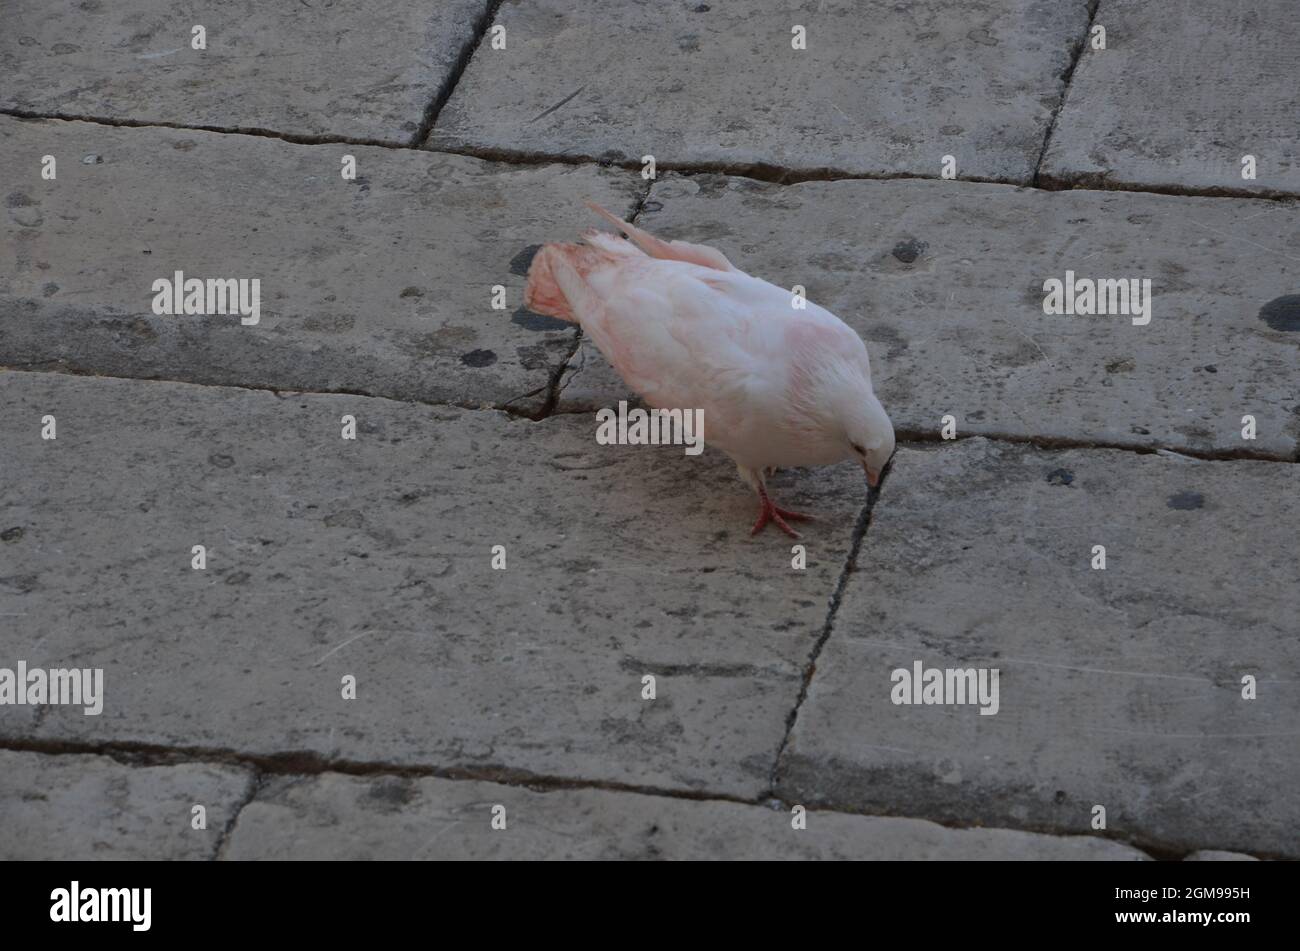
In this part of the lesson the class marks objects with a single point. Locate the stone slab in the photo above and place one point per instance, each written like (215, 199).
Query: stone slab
(364, 69)
(1119, 687)
(881, 88)
(1181, 93)
(75, 808)
(331, 816)
(372, 558)
(945, 281)
(379, 285)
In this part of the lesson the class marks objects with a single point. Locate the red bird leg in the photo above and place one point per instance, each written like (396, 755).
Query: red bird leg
(770, 512)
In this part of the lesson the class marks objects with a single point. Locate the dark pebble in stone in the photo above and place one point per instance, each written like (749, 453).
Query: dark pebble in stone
(11, 534)
(1186, 501)
(1060, 477)
(221, 461)
(479, 358)
(1282, 313)
(529, 321)
(908, 251)
(520, 262)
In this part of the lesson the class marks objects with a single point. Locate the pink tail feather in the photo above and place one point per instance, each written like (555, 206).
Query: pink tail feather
(557, 278)
(700, 254)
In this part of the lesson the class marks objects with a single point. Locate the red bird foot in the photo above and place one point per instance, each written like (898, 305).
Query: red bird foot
(770, 512)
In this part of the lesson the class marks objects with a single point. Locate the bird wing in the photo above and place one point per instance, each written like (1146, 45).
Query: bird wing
(680, 337)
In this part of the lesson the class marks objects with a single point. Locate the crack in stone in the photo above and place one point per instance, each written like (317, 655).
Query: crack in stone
(557, 383)
(1055, 443)
(759, 171)
(264, 767)
(310, 763)
(295, 138)
(550, 409)
(485, 20)
(1076, 54)
(255, 784)
(810, 668)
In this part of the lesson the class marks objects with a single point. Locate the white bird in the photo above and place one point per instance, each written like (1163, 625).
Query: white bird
(779, 385)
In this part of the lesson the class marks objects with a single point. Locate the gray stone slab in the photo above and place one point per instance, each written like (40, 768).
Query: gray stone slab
(882, 87)
(70, 807)
(1181, 93)
(365, 69)
(1119, 687)
(945, 283)
(328, 558)
(381, 285)
(332, 816)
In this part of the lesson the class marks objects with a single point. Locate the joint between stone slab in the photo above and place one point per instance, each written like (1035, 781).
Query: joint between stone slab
(810, 668)
(557, 382)
(1100, 182)
(310, 763)
(485, 20)
(1075, 55)
(553, 387)
(775, 175)
(44, 367)
(264, 767)
(293, 138)
(758, 172)
(915, 436)
(1152, 848)
(255, 783)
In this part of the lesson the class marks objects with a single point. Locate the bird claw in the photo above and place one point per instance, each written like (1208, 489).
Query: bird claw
(774, 513)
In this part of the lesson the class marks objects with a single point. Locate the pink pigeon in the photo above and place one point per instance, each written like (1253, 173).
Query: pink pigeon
(780, 385)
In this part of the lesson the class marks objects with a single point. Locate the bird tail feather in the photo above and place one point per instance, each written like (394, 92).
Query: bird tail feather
(700, 254)
(557, 279)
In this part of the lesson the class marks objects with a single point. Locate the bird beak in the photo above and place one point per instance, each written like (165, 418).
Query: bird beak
(873, 478)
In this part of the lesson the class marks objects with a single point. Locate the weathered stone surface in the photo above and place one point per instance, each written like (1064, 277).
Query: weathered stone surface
(331, 816)
(1121, 688)
(381, 285)
(945, 283)
(92, 807)
(372, 558)
(881, 87)
(365, 69)
(1181, 93)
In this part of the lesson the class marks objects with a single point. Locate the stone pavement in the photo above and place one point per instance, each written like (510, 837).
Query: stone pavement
(357, 670)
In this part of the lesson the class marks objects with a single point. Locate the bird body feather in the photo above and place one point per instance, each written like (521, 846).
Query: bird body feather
(779, 385)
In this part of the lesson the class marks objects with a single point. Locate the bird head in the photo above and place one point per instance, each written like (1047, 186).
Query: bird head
(833, 394)
(870, 436)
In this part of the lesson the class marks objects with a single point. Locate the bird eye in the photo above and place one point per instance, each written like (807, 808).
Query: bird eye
(858, 449)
